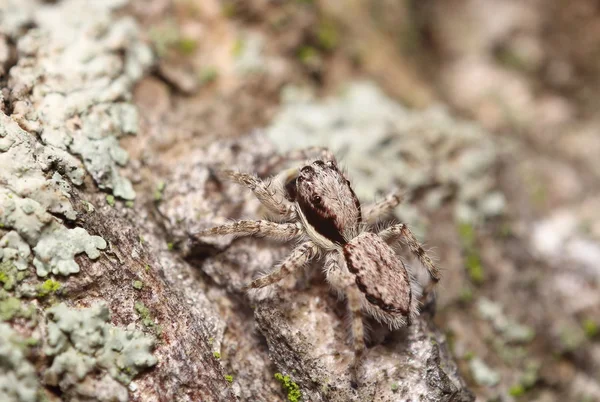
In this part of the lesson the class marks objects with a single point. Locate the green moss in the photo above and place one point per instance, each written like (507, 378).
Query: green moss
(473, 265)
(228, 378)
(229, 10)
(309, 55)
(291, 388)
(138, 285)
(147, 268)
(187, 46)
(469, 355)
(158, 192)
(394, 387)
(8, 275)
(590, 327)
(110, 200)
(238, 47)
(327, 35)
(216, 355)
(129, 204)
(208, 75)
(31, 342)
(144, 314)
(170, 246)
(466, 295)
(49, 287)
(7, 281)
(516, 390)
(511, 59)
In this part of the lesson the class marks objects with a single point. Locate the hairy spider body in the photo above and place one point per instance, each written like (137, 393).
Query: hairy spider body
(322, 210)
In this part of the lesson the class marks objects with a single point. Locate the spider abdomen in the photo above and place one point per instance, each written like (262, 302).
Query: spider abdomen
(380, 276)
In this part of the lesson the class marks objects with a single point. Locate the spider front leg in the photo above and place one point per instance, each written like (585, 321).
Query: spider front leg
(280, 231)
(401, 232)
(344, 282)
(264, 191)
(299, 257)
(373, 212)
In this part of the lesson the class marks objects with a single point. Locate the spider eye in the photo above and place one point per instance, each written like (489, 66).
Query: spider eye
(316, 199)
(306, 169)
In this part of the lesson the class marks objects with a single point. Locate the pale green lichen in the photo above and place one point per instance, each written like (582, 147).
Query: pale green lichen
(248, 53)
(23, 173)
(383, 144)
(18, 379)
(80, 106)
(83, 340)
(138, 285)
(10, 308)
(56, 253)
(510, 330)
(27, 200)
(482, 373)
(14, 249)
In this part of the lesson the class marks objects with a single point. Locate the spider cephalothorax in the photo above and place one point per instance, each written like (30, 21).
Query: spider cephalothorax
(320, 208)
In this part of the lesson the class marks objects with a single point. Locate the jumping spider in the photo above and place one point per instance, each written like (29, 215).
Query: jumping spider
(319, 207)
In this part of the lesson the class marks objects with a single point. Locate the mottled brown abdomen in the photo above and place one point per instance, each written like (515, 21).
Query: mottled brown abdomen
(380, 274)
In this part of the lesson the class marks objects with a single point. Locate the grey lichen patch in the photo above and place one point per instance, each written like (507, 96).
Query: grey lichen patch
(248, 53)
(28, 199)
(24, 174)
(18, 379)
(83, 340)
(14, 249)
(510, 330)
(482, 373)
(53, 244)
(56, 253)
(383, 143)
(82, 87)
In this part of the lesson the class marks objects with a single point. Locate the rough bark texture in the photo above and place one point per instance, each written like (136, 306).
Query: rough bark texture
(69, 88)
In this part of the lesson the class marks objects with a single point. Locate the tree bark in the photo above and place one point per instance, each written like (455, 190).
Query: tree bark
(212, 342)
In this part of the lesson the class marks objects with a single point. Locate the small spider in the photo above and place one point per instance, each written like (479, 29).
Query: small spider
(318, 206)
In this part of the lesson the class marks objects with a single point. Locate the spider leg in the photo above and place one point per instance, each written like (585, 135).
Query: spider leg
(280, 231)
(372, 212)
(299, 257)
(296, 155)
(401, 232)
(264, 191)
(344, 282)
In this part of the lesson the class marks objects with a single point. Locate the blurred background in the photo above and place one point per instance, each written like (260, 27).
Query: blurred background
(483, 112)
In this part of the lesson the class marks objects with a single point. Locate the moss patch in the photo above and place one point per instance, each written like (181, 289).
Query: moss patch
(466, 232)
(290, 387)
(144, 314)
(48, 287)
